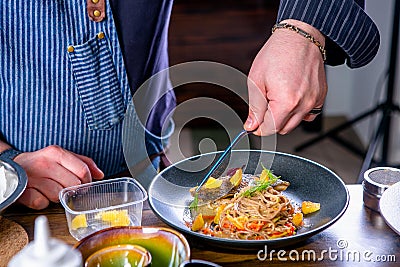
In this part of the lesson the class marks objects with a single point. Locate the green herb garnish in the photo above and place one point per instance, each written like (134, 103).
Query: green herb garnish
(194, 204)
(261, 185)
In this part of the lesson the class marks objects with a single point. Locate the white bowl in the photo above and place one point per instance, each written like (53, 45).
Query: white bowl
(13, 183)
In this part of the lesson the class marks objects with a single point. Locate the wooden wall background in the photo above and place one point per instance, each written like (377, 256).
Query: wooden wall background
(229, 32)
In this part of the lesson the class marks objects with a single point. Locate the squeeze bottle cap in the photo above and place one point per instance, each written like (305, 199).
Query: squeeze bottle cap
(45, 251)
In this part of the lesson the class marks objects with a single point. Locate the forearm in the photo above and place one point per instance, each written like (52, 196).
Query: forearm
(342, 21)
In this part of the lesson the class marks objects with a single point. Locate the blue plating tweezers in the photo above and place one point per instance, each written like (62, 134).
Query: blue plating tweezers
(222, 157)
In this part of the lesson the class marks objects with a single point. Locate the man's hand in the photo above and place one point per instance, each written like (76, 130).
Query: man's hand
(51, 169)
(287, 80)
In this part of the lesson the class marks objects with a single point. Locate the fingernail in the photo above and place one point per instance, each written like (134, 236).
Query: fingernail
(248, 124)
(101, 174)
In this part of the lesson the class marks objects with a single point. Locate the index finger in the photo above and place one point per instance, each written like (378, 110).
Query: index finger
(76, 166)
(275, 118)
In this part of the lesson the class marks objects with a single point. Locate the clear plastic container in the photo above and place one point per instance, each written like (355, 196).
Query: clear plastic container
(94, 206)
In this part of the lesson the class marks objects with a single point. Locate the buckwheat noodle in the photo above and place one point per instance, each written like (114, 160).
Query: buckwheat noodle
(265, 214)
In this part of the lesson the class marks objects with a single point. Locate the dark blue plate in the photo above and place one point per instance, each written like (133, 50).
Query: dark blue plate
(308, 181)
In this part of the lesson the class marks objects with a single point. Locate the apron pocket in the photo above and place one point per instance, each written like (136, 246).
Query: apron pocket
(97, 83)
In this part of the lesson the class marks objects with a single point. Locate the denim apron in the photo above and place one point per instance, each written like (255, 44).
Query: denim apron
(63, 82)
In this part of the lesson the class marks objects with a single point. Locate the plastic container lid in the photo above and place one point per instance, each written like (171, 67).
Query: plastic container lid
(45, 251)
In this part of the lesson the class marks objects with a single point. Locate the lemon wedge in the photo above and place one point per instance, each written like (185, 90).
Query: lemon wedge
(220, 209)
(298, 219)
(79, 221)
(198, 223)
(115, 217)
(212, 183)
(236, 179)
(309, 207)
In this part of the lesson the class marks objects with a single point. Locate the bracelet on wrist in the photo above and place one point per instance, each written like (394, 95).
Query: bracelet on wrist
(302, 33)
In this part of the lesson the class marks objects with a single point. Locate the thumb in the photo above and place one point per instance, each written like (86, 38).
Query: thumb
(33, 199)
(251, 122)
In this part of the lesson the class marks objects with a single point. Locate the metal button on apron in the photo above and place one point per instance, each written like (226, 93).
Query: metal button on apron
(100, 35)
(96, 13)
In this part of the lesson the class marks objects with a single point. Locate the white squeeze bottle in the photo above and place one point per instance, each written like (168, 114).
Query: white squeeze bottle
(45, 251)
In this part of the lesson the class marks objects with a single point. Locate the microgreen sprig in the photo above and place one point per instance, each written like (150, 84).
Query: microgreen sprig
(194, 204)
(261, 185)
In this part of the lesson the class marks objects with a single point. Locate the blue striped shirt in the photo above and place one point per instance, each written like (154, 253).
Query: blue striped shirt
(343, 22)
(77, 99)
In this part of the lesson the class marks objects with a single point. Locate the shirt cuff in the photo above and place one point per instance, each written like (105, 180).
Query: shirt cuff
(343, 22)
(10, 153)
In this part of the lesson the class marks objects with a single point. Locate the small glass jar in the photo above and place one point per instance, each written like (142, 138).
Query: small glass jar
(376, 181)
